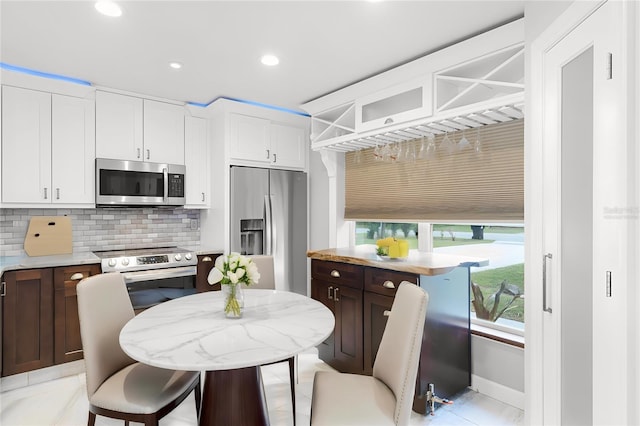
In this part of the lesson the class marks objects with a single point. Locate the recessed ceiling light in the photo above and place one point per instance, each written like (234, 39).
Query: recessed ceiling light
(270, 60)
(108, 8)
(175, 65)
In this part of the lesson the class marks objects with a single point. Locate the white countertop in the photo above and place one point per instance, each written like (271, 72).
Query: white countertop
(192, 333)
(11, 263)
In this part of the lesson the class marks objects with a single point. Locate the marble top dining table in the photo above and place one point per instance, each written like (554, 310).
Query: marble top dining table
(192, 333)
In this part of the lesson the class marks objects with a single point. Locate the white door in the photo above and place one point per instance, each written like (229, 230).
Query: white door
(249, 138)
(585, 240)
(118, 126)
(26, 146)
(196, 160)
(289, 146)
(163, 132)
(73, 150)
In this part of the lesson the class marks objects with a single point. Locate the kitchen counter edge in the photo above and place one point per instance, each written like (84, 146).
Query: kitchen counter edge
(13, 263)
(417, 263)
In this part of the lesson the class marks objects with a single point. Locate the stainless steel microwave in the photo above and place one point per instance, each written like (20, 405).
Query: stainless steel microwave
(139, 183)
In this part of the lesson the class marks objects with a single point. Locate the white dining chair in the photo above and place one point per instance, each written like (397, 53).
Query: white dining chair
(268, 281)
(386, 397)
(118, 386)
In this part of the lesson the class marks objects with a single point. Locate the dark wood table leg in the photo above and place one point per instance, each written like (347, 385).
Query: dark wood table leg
(234, 397)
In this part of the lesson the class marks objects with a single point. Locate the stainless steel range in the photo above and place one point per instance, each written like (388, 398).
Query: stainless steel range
(153, 275)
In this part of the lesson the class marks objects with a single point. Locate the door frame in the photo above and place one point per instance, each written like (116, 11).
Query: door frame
(567, 22)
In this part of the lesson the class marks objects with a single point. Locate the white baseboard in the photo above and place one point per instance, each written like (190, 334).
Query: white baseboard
(497, 391)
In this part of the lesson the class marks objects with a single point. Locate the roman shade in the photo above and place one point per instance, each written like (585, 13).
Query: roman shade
(472, 183)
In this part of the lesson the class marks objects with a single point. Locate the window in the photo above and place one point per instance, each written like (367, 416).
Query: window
(503, 245)
(369, 232)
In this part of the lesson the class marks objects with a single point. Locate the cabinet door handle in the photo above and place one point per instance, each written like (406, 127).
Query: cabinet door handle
(207, 259)
(148, 154)
(388, 284)
(3, 289)
(330, 292)
(203, 197)
(45, 194)
(268, 154)
(386, 313)
(77, 276)
(275, 158)
(335, 294)
(335, 274)
(57, 193)
(545, 308)
(138, 156)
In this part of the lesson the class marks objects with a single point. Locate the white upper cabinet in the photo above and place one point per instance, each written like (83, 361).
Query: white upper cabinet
(73, 150)
(250, 138)
(48, 148)
(118, 126)
(394, 105)
(262, 142)
(196, 155)
(163, 132)
(288, 145)
(130, 128)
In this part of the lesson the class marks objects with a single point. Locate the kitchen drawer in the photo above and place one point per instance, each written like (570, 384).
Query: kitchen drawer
(344, 274)
(385, 282)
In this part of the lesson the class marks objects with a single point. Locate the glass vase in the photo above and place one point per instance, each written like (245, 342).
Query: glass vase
(233, 300)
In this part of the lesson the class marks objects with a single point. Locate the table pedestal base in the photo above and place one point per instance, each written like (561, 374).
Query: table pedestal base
(234, 397)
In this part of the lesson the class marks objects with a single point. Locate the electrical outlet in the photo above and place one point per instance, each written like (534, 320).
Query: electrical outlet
(194, 224)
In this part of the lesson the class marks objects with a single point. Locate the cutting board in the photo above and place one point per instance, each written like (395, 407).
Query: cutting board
(48, 235)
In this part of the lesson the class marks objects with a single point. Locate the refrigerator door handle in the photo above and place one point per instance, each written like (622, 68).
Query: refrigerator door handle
(268, 225)
(274, 231)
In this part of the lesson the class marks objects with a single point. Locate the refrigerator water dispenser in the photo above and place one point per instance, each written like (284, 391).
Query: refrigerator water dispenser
(251, 236)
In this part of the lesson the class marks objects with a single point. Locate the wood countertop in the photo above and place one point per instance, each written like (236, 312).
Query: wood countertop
(416, 263)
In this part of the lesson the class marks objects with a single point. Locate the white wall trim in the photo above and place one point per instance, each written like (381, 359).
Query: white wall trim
(497, 391)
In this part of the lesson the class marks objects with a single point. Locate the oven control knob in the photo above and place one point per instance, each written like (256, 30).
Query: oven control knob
(112, 262)
(125, 261)
(188, 256)
(178, 257)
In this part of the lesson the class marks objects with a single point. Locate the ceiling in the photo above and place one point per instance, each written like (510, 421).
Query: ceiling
(322, 45)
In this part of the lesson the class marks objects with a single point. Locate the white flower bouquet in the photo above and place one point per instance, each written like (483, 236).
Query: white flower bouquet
(231, 270)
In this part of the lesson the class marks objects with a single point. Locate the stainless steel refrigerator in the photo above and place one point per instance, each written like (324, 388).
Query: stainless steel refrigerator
(269, 216)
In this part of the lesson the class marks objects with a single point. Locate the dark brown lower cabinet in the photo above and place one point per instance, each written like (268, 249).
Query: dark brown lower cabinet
(361, 317)
(67, 342)
(206, 263)
(27, 320)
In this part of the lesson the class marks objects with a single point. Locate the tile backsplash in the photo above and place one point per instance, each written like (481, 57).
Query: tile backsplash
(108, 228)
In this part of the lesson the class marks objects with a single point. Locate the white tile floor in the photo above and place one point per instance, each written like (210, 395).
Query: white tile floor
(64, 402)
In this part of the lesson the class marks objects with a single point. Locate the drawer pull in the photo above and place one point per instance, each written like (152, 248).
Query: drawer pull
(335, 294)
(386, 313)
(335, 274)
(330, 292)
(77, 276)
(388, 284)
(207, 259)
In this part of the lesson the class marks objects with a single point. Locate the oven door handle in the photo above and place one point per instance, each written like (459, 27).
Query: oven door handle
(158, 274)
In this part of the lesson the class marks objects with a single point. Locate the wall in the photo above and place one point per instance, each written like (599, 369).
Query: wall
(108, 228)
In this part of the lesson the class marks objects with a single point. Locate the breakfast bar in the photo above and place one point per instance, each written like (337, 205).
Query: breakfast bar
(359, 286)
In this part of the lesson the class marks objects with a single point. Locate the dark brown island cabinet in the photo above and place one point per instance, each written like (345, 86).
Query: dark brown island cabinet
(360, 298)
(40, 325)
(206, 263)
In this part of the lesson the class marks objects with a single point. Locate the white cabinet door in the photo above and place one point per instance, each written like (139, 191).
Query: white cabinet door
(289, 146)
(250, 138)
(163, 132)
(26, 146)
(196, 160)
(118, 126)
(73, 150)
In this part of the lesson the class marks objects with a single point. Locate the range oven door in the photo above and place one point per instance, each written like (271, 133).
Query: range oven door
(151, 287)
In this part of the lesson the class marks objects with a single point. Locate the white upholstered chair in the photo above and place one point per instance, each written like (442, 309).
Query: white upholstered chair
(386, 397)
(117, 386)
(268, 281)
